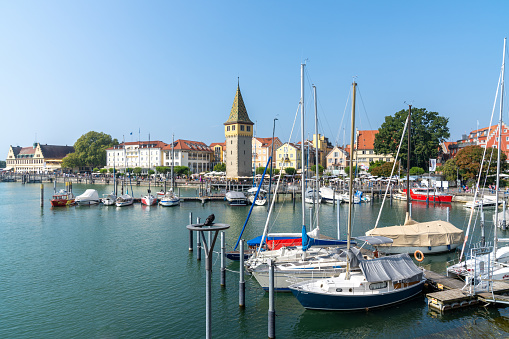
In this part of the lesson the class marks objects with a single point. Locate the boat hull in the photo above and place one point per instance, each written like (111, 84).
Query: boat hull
(282, 280)
(423, 249)
(433, 197)
(169, 203)
(62, 202)
(331, 302)
(148, 201)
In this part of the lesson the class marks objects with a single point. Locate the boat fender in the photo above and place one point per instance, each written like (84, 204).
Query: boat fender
(418, 255)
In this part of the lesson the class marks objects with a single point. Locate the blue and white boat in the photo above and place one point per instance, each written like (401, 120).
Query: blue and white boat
(380, 282)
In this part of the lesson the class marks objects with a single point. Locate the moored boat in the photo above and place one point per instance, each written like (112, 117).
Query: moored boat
(89, 197)
(62, 198)
(428, 194)
(124, 200)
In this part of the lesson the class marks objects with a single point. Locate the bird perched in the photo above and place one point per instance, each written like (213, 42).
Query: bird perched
(209, 220)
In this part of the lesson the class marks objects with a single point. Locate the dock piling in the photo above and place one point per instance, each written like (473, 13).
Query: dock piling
(242, 283)
(198, 243)
(191, 232)
(272, 312)
(223, 264)
(42, 195)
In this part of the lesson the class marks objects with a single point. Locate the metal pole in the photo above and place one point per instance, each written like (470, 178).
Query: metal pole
(410, 210)
(339, 227)
(447, 214)
(223, 265)
(242, 283)
(483, 238)
(42, 195)
(272, 312)
(208, 275)
(503, 215)
(302, 176)
(198, 243)
(191, 232)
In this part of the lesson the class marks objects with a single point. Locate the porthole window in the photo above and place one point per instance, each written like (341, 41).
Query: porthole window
(339, 290)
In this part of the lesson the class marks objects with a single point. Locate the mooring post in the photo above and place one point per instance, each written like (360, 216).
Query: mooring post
(483, 238)
(333, 197)
(191, 232)
(410, 210)
(223, 266)
(55, 186)
(42, 195)
(503, 215)
(272, 311)
(447, 214)
(198, 243)
(242, 283)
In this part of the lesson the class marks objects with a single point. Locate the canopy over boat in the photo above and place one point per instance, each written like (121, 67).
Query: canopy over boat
(394, 267)
(374, 240)
(90, 194)
(416, 234)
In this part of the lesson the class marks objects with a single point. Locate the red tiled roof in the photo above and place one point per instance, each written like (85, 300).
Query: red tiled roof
(189, 145)
(222, 144)
(366, 140)
(267, 142)
(143, 144)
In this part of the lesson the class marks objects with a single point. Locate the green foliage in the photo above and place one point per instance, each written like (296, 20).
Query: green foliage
(450, 170)
(275, 171)
(95, 170)
(416, 171)
(103, 170)
(347, 169)
(320, 168)
(129, 170)
(150, 172)
(3, 164)
(221, 167)
(71, 160)
(181, 170)
(428, 129)
(163, 169)
(111, 170)
(383, 170)
(290, 170)
(373, 165)
(90, 149)
(137, 170)
(469, 160)
(260, 170)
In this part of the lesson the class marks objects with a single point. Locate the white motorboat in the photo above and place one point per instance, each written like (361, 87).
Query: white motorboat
(311, 196)
(260, 200)
(109, 199)
(90, 197)
(169, 199)
(149, 200)
(124, 200)
(486, 202)
(329, 196)
(236, 198)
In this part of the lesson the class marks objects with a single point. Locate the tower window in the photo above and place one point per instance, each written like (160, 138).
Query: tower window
(241, 127)
(233, 128)
(227, 128)
(248, 128)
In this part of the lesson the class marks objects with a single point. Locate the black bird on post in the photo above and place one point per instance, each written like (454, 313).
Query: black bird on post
(209, 220)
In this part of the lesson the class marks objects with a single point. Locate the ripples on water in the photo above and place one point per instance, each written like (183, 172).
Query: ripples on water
(108, 272)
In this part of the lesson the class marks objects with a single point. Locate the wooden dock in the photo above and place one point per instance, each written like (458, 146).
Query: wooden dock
(451, 296)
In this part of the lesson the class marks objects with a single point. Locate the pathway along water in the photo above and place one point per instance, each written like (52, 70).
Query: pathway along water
(103, 271)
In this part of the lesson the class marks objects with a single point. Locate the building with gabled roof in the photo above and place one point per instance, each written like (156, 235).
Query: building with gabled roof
(337, 160)
(238, 130)
(261, 150)
(219, 149)
(144, 154)
(365, 150)
(196, 155)
(36, 158)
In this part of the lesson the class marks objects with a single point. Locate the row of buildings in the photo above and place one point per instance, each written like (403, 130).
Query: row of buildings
(241, 151)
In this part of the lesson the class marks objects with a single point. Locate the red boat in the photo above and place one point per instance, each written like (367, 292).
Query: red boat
(423, 193)
(62, 199)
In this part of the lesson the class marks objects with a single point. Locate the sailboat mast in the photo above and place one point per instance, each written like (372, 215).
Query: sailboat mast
(302, 181)
(172, 158)
(148, 170)
(350, 185)
(408, 165)
(499, 148)
(315, 193)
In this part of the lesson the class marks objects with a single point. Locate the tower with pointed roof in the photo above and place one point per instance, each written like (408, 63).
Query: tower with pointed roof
(238, 131)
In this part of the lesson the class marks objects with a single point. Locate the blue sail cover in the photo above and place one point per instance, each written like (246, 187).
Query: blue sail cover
(308, 241)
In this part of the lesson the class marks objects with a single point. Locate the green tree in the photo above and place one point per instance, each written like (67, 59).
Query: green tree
(3, 164)
(384, 170)
(347, 169)
(450, 170)
(90, 150)
(416, 171)
(111, 170)
(469, 160)
(275, 171)
(137, 170)
(221, 167)
(375, 164)
(320, 168)
(163, 169)
(71, 160)
(259, 170)
(428, 129)
(290, 170)
(103, 170)
(150, 172)
(181, 170)
(95, 170)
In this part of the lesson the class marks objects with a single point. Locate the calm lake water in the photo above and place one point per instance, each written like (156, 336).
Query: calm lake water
(108, 272)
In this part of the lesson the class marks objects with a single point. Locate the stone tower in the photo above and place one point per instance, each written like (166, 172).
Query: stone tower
(238, 131)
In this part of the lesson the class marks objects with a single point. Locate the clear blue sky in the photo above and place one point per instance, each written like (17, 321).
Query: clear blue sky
(163, 67)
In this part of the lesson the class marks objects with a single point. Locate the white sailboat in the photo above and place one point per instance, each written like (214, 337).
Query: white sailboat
(170, 198)
(379, 282)
(426, 237)
(125, 199)
(494, 260)
(149, 198)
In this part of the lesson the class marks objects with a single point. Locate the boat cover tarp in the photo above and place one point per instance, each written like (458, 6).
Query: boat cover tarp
(309, 241)
(416, 234)
(375, 240)
(394, 267)
(354, 257)
(89, 194)
(232, 195)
